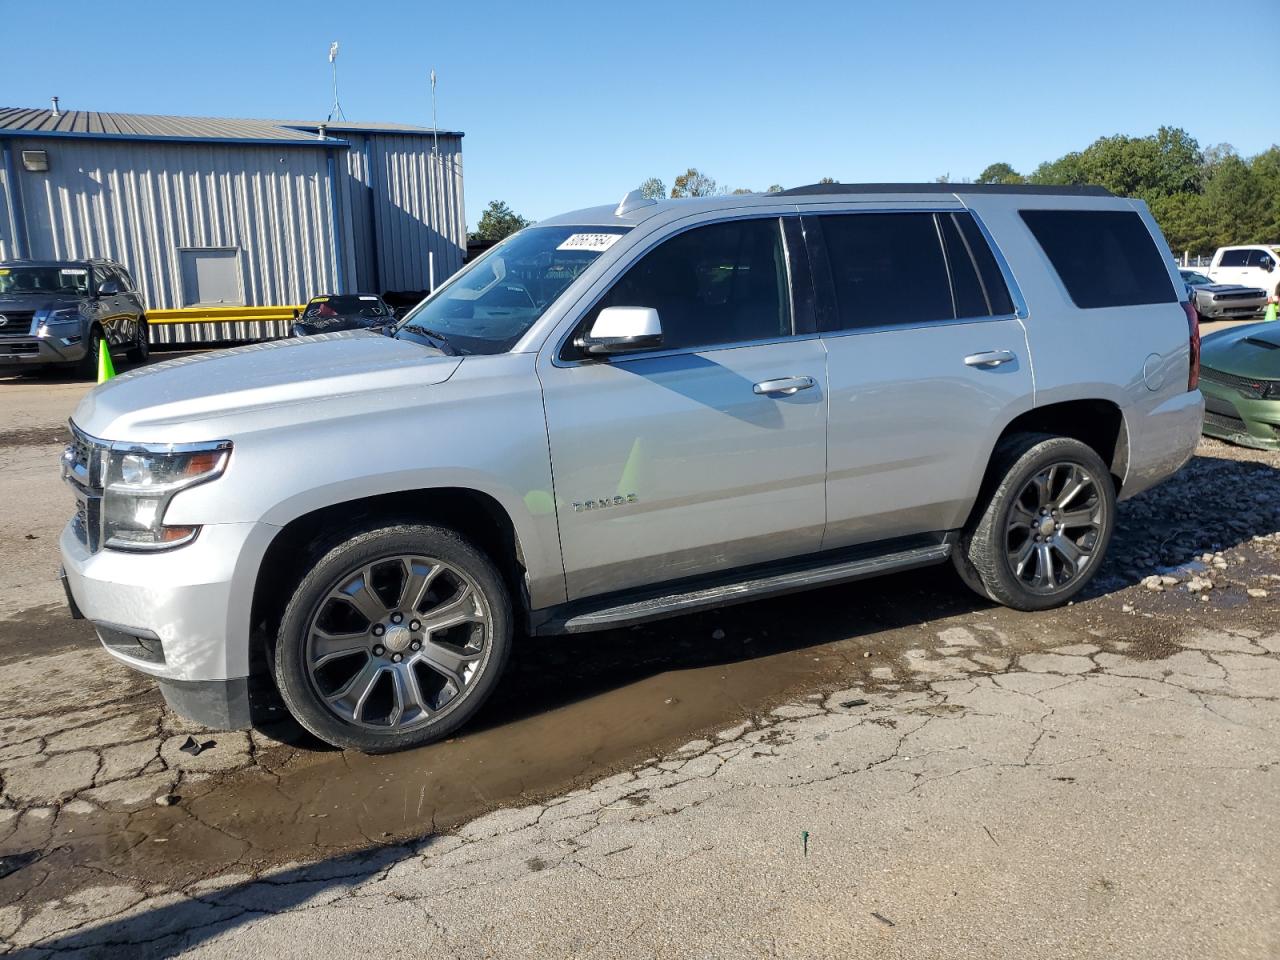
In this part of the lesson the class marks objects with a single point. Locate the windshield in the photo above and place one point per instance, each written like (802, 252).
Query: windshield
(489, 306)
(1195, 279)
(361, 305)
(19, 280)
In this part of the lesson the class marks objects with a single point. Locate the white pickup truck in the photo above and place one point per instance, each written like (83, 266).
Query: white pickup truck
(1257, 265)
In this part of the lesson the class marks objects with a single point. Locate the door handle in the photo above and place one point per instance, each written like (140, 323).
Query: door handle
(989, 358)
(785, 386)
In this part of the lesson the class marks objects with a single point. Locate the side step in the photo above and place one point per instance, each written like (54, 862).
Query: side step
(691, 599)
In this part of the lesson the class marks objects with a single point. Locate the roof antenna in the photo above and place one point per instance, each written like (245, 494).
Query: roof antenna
(56, 111)
(336, 110)
(435, 132)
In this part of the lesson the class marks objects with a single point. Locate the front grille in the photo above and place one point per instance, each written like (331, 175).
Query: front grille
(1244, 295)
(1251, 387)
(84, 465)
(1223, 422)
(17, 323)
(18, 349)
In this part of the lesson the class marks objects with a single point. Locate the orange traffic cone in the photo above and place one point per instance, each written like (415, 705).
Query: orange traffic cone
(105, 370)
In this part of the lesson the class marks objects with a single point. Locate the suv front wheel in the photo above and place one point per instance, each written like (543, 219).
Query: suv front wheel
(394, 639)
(1044, 527)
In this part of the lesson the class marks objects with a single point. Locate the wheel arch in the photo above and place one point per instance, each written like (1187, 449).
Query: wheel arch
(475, 514)
(1095, 422)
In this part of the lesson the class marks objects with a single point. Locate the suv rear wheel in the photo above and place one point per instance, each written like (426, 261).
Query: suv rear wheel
(394, 639)
(1045, 525)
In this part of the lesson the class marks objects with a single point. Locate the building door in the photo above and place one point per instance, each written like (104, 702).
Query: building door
(211, 277)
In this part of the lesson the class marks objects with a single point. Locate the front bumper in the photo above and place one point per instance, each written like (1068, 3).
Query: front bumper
(1238, 419)
(179, 614)
(36, 351)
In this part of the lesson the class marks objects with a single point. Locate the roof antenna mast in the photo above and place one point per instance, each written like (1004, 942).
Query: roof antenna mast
(335, 112)
(435, 131)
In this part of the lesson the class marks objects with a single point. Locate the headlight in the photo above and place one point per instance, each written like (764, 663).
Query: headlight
(67, 315)
(140, 484)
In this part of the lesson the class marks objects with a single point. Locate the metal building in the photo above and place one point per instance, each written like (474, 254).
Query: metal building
(216, 217)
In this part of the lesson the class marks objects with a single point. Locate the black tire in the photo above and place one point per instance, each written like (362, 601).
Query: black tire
(139, 352)
(87, 366)
(982, 555)
(382, 545)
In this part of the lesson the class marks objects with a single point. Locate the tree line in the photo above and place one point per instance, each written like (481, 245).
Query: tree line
(1203, 198)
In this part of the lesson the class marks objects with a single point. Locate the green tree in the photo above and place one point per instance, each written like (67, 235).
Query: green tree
(497, 222)
(775, 188)
(828, 180)
(737, 190)
(694, 183)
(653, 188)
(1000, 173)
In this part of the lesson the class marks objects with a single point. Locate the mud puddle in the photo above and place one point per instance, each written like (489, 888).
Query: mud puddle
(569, 711)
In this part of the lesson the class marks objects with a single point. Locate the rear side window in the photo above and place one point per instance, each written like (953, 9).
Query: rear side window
(979, 287)
(993, 284)
(1105, 258)
(891, 269)
(887, 268)
(1234, 258)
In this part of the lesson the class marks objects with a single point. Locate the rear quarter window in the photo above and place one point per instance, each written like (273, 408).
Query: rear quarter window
(1105, 258)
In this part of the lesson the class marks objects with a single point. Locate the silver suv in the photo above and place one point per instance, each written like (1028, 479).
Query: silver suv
(627, 413)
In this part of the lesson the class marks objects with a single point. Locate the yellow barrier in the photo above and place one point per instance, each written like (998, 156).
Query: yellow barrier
(223, 314)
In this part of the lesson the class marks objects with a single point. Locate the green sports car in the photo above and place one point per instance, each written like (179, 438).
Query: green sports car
(1240, 380)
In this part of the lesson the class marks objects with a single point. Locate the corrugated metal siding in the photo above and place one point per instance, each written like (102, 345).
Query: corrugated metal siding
(140, 203)
(417, 209)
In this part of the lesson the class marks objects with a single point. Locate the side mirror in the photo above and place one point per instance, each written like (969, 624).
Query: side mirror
(1268, 264)
(110, 288)
(622, 330)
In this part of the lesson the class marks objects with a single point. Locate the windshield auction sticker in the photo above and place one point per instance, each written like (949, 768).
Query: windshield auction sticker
(590, 242)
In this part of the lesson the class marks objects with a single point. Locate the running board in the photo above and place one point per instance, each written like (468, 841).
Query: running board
(690, 600)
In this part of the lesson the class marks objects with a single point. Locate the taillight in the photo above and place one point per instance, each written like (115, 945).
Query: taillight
(1193, 330)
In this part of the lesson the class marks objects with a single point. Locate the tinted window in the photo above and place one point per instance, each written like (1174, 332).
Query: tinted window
(1234, 258)
(887, 268)
(724, 283)
(1260, 258)
(346, 306)
(971, 299)
(993, 284)
(1105, 258)
(126, 279)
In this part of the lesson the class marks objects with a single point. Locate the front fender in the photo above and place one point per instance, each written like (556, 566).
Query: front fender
(482, 430)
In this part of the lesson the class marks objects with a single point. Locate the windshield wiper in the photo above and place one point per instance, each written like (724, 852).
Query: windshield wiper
(438, 340)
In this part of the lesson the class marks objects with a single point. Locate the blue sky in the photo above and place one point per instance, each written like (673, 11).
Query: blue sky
(571, 104)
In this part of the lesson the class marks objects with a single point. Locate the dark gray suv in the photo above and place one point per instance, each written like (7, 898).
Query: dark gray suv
(61, 312)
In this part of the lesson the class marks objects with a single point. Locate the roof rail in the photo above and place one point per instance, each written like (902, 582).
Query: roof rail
(1015, 189)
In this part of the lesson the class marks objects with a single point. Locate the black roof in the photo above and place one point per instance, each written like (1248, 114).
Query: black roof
(1014, 189)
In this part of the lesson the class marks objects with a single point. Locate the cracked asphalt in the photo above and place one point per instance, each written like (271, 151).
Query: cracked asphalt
(891, 768)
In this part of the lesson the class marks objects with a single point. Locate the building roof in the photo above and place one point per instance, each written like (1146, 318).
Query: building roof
(26, 121)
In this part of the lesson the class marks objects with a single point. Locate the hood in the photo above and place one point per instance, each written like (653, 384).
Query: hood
(1230, 288)
(191, 398)
(1248, 351)
(38, 301)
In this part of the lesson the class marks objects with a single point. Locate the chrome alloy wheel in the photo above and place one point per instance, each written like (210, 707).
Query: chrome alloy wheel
(397, 643)
(1054, 527)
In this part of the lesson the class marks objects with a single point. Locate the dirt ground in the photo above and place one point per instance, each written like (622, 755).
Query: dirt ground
(107, 827)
